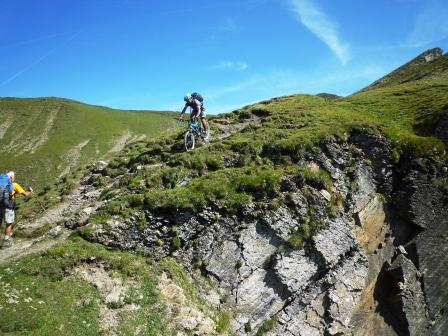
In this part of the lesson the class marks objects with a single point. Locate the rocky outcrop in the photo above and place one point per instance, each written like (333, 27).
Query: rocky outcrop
(419, 203)
(366, 256)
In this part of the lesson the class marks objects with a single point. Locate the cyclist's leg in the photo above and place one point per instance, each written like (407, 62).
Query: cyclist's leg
(204, 125)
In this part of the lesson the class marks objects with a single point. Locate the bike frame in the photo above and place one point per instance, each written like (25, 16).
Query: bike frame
(195, 127)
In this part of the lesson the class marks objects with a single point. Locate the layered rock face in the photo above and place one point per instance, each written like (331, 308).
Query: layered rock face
(368, 257)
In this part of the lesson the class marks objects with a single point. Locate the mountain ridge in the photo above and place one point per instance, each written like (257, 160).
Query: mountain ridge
(432, 62)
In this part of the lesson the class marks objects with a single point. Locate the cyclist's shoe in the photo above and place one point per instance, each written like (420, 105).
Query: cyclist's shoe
(205, 136)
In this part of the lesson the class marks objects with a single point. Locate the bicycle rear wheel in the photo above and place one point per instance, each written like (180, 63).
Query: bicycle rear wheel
(189, 140)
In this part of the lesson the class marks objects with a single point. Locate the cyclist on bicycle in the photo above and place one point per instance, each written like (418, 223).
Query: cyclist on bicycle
(197, 110)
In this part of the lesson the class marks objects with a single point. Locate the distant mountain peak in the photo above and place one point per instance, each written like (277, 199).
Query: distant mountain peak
(427, 56)
(430, 63)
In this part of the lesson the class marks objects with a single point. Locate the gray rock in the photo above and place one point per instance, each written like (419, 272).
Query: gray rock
(295, 269)
(223, 263)
(256, 299)
(410, 299)
(334, 241)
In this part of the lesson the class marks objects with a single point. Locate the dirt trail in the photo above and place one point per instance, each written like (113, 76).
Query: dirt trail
(81, 195)
(29, 246)
(25, 141)
(120, 142)
(39, 141)
(225, 128)
(72, 158)
(5, 126)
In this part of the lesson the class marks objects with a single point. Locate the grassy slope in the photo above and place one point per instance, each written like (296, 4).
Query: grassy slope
(404, 112)
(416, 69)
(40, 295)
(48, 135)
(258, 156)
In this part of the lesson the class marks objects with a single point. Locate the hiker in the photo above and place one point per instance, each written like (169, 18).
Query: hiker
(196, 102)
(7, 208)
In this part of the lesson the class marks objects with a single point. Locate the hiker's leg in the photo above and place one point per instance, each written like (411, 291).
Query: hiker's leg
(8, 230)
(2, 217)
(9, 220)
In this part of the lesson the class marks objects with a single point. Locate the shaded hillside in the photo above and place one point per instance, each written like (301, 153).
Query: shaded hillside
(47, 138)
(303, 216)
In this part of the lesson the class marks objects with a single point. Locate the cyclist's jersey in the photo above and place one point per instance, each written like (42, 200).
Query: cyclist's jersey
(196, 106)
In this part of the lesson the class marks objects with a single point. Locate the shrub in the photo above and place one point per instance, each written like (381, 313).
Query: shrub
(242, 114)
(214, 162)
(175, 243)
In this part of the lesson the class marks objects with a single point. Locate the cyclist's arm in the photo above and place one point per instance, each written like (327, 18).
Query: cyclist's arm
(183, 111)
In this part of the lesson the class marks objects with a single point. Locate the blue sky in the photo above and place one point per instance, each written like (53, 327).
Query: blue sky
(136, 54)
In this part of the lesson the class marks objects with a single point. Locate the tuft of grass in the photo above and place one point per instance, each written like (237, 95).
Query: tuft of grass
(223, 322)
(306, 230)
(267, 326)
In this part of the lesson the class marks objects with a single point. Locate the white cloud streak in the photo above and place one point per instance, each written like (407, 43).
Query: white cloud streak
(239, 66)
(321, 26)
(229, 26)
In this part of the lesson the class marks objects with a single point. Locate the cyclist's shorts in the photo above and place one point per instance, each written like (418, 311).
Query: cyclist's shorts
(202, 115)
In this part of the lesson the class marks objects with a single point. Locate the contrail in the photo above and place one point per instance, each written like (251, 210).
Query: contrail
(40, 38)
(40, 59)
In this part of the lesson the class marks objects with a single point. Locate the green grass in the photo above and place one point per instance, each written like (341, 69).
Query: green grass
(406, 113)
(223, 323)
(48, 135)
(230, 187)
(306, 230)
(267, 326)
(414, 71)
(248, 165)
(39, 295)
(55, 165)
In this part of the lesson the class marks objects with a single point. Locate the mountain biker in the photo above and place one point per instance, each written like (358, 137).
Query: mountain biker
(197, 110)
(8, 213)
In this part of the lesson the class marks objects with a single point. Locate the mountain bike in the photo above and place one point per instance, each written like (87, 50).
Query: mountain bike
(194, 130)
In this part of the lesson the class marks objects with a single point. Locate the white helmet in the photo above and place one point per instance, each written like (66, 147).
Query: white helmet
(187, 97)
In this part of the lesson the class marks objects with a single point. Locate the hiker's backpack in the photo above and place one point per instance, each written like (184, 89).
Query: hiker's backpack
(6, 189)
(197, 96)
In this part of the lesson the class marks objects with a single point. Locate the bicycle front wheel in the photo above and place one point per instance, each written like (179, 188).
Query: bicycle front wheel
(189, 140)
